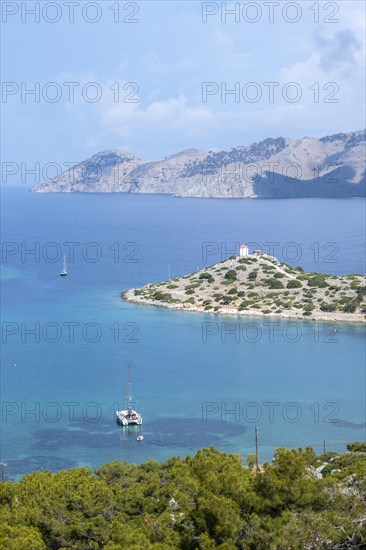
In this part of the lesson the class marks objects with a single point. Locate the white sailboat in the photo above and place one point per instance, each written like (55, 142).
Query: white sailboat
(63, 273)
(128, 415)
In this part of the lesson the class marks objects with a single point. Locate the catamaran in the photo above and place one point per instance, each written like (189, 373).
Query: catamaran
(63, 273)
(128, 415)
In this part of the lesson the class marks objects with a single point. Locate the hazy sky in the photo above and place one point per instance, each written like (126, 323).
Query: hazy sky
(295, 69)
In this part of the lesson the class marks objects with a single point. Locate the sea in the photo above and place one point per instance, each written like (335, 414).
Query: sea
(198, 380)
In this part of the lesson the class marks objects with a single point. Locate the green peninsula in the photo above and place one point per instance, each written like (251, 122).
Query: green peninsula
(260, 285)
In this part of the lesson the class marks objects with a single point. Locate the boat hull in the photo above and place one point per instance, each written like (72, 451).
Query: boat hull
(126, 418)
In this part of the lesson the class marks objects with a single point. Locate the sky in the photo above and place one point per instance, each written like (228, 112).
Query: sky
(155, 78)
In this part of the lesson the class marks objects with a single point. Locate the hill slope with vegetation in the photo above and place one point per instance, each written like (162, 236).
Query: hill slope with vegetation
(332, 166)
(259, 284)
(208, 501)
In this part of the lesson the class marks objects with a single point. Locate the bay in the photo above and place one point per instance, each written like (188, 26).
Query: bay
(199, 380)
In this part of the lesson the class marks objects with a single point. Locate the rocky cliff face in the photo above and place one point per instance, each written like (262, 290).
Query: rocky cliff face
(333, 166)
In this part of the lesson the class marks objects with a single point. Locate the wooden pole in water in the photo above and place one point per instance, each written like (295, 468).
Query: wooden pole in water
(256, 448)
(324, 446)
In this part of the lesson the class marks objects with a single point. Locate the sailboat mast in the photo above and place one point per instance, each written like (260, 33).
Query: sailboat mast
(128, 388)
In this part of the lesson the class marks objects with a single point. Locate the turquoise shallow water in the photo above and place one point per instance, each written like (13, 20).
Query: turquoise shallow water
(199, 380)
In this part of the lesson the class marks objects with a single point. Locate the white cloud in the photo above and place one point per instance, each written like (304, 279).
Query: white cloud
(224, 52)
(170, 115)
(122, 119)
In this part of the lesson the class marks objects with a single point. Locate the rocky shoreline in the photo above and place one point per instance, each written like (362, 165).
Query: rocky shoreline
(259, 286)
(323, 317)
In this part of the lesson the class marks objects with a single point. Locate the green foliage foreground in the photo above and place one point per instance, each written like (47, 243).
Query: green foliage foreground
(207, 501)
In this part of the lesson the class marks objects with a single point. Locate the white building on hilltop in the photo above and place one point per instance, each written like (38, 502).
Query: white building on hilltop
(244, 251)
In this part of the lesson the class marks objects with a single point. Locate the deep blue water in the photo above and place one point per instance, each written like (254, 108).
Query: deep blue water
(301, 383)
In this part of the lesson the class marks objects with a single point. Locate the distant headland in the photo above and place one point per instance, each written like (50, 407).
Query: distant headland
(332, 166)
(259, 285)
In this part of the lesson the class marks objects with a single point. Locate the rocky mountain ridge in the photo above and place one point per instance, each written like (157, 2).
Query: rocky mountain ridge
(332, 166)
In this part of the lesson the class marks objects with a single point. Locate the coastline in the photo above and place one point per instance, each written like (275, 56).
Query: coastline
(321, 316)
(37, 191)
(259, 285)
